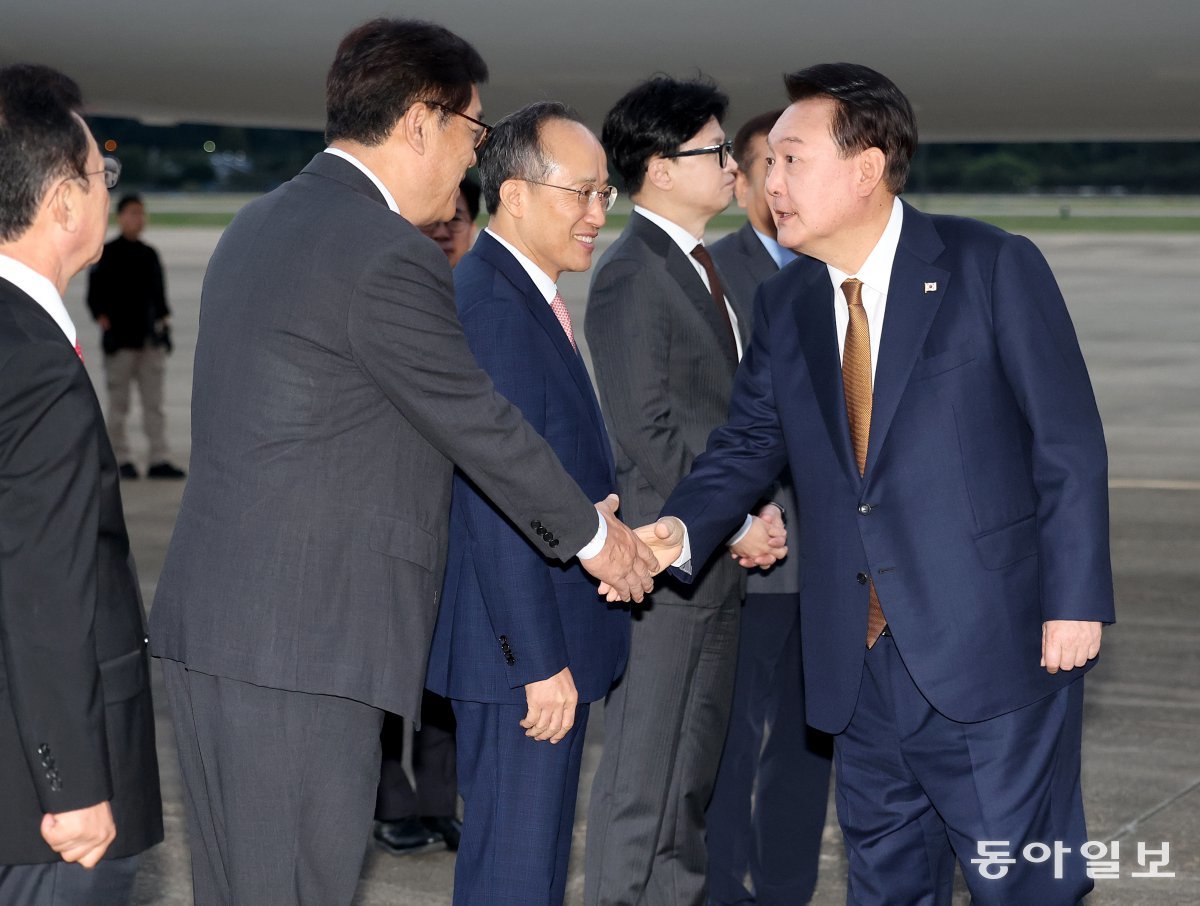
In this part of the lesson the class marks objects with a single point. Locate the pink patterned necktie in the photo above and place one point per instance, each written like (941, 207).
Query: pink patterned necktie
(559, 307)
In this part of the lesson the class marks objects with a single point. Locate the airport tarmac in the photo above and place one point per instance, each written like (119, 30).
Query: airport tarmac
(1133, 299)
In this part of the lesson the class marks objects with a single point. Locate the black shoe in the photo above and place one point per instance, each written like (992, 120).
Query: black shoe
(128, 470)
(406, 837)
(449, 828)
(164, 469)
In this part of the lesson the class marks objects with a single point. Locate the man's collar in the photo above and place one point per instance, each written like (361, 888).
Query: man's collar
(678, 234)
(540, 278)
(41, 290)
(876, 272)
(778, 253)
(366, 171)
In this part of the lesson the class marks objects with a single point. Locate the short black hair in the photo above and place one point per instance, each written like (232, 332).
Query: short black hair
(128, 199)
(385, 66)
(514, 150)
(751, 129)
(41, 140)
(656, 117)
(870, 112)
(470, 190)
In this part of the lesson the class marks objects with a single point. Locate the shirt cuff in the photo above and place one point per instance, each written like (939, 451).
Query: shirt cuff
(741, 533)
(593, 547)
(684, 560)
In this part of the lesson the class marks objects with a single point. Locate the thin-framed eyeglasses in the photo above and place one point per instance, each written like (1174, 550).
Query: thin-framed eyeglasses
(723, 152)
(606, 196)
(111, 171)
(459, 223)
(485, 130)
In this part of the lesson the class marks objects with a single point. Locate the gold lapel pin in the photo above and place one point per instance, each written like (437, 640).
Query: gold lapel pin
(931, 287)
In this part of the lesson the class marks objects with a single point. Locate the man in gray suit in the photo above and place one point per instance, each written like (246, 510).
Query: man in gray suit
(768, 805)
(665, 343)
(333, 394)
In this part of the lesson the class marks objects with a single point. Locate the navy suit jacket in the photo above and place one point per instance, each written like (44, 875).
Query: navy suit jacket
(983, 510)
(510, 616)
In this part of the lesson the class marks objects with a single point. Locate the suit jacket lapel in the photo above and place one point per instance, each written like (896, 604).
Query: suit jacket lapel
(679, 267)
(813, 309)
(911, 308)
(501, 259)
(762, 265)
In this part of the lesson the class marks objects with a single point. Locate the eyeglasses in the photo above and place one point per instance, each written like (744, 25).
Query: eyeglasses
(458, 223)
(606, 196)
(723, 152)
(485, 130)
(111, 171)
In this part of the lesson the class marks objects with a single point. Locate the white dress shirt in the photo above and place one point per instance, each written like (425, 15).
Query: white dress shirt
(41, 290)
(876, 277)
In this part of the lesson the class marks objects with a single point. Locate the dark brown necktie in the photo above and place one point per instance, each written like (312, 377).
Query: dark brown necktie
(856, 380)
(700, 253)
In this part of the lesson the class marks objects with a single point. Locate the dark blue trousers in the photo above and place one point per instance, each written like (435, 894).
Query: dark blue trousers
(519, 807)
(778, 840)
(915, 790)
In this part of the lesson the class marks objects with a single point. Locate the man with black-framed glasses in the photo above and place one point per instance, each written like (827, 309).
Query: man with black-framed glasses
(665, 343)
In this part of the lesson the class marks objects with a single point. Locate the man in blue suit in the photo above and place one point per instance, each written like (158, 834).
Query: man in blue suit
(951, 471)
(522, 645)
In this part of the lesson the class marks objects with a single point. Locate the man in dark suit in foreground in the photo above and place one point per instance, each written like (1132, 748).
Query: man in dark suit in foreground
(523, 658)
(951, 474)
(333, 393)
(665, 342)
(78, 771)
(768, 805)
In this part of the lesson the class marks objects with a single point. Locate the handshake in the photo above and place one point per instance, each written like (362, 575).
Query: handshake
(631, 558)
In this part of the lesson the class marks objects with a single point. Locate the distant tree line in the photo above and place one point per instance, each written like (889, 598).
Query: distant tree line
(255, 160)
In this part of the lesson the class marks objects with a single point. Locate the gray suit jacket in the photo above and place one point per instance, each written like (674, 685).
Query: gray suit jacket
(333, 394)
(744, 263)
(664, 377)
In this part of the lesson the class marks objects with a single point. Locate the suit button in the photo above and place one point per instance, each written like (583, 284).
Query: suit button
(43, 749)
(554, 543)
(865, 509)
(535, 524)
(862, 578)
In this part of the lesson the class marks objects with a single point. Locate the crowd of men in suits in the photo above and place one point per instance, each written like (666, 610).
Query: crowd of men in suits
(409, 480)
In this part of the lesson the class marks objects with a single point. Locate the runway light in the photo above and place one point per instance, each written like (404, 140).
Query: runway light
(210, 146)
(110, 145)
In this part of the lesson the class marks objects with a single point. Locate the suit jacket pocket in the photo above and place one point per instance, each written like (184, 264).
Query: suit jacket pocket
(123, 677)
(941, 362)
(1004, 546)
(397, 538)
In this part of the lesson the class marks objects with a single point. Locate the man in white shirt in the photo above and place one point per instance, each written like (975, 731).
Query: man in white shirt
(665, 343)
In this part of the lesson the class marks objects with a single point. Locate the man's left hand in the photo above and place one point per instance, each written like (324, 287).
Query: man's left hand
(765, 542)
(1067, 644)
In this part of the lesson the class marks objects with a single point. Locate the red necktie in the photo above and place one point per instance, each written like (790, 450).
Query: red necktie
(79, 350)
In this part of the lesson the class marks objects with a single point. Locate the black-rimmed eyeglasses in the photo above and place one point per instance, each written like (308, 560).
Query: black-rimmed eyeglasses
(723, 152)
(485, 130)
(606, 196)
(111, 171)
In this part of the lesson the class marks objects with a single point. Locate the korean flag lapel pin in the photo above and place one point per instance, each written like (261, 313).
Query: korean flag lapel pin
(930, 287)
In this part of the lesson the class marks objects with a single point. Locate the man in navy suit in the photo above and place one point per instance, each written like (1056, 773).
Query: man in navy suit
(767, 811)
(522, 645)
(951, 470)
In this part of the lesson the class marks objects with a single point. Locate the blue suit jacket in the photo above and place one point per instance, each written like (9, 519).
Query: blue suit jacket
(510, 616)
(983, 510)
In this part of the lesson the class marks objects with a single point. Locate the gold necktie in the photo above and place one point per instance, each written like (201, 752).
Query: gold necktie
(856, 381)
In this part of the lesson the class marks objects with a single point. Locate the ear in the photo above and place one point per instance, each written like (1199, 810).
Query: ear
(512, 197)
(659, 173)
(872, 164)
(416, 126)
(63, 201)
(741, 189)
